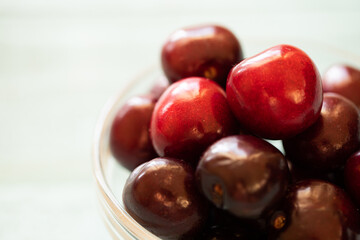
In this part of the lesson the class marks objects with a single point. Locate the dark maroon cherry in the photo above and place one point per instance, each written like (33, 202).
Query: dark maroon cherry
(352, 176)
(344, 80)
(315, 209)
(328, 143)
(277, 93)
(190, 115)
(162, 196)
(129, 137)
(244, 175)
(208, 51)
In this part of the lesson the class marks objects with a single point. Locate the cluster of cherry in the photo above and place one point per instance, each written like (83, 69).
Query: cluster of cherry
(200, 165)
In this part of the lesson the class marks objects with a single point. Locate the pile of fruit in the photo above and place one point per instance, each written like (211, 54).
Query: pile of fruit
(201, 167)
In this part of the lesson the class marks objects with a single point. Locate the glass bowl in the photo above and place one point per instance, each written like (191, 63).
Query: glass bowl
(110, 176)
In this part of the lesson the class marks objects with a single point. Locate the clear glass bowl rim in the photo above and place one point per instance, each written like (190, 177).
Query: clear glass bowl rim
(118, 221)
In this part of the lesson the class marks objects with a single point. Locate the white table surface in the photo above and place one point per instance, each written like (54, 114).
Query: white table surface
(61, 60)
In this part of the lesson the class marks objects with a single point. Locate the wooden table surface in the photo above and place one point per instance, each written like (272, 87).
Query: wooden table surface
(61, 60)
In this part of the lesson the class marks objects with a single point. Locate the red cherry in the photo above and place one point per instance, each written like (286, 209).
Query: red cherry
(352, 176)
(190, 115)
(277, 93)
(162, 196)
(129, 137)
(315, 209)
(244, 175)
(328, 143)
(206, 51)
(344, 80)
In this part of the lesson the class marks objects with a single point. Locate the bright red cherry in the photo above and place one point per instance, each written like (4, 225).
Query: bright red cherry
(344, 80)
(129, 136)
(205, 51)
(331, 140)
(277, 93)
(189, 116)
(352, 176)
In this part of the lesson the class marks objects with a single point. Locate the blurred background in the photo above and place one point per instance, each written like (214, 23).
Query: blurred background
(60, 60)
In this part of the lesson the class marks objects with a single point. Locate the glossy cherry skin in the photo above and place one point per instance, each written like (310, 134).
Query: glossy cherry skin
(328, 143)
(162, 196)
(315, 209)
(277, 93)
(190, 115)
(243, 175)
(344, 80)
(130, 141)
(208, 51)
(352, 176)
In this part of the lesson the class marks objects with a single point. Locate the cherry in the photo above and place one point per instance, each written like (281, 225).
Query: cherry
(129, 135)
(315, 209)
(344, 80)
(190, 115)
(162, 196)
(243, 174)
(352, 176)
(208, 51)
(277, 93)
(328, 143)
